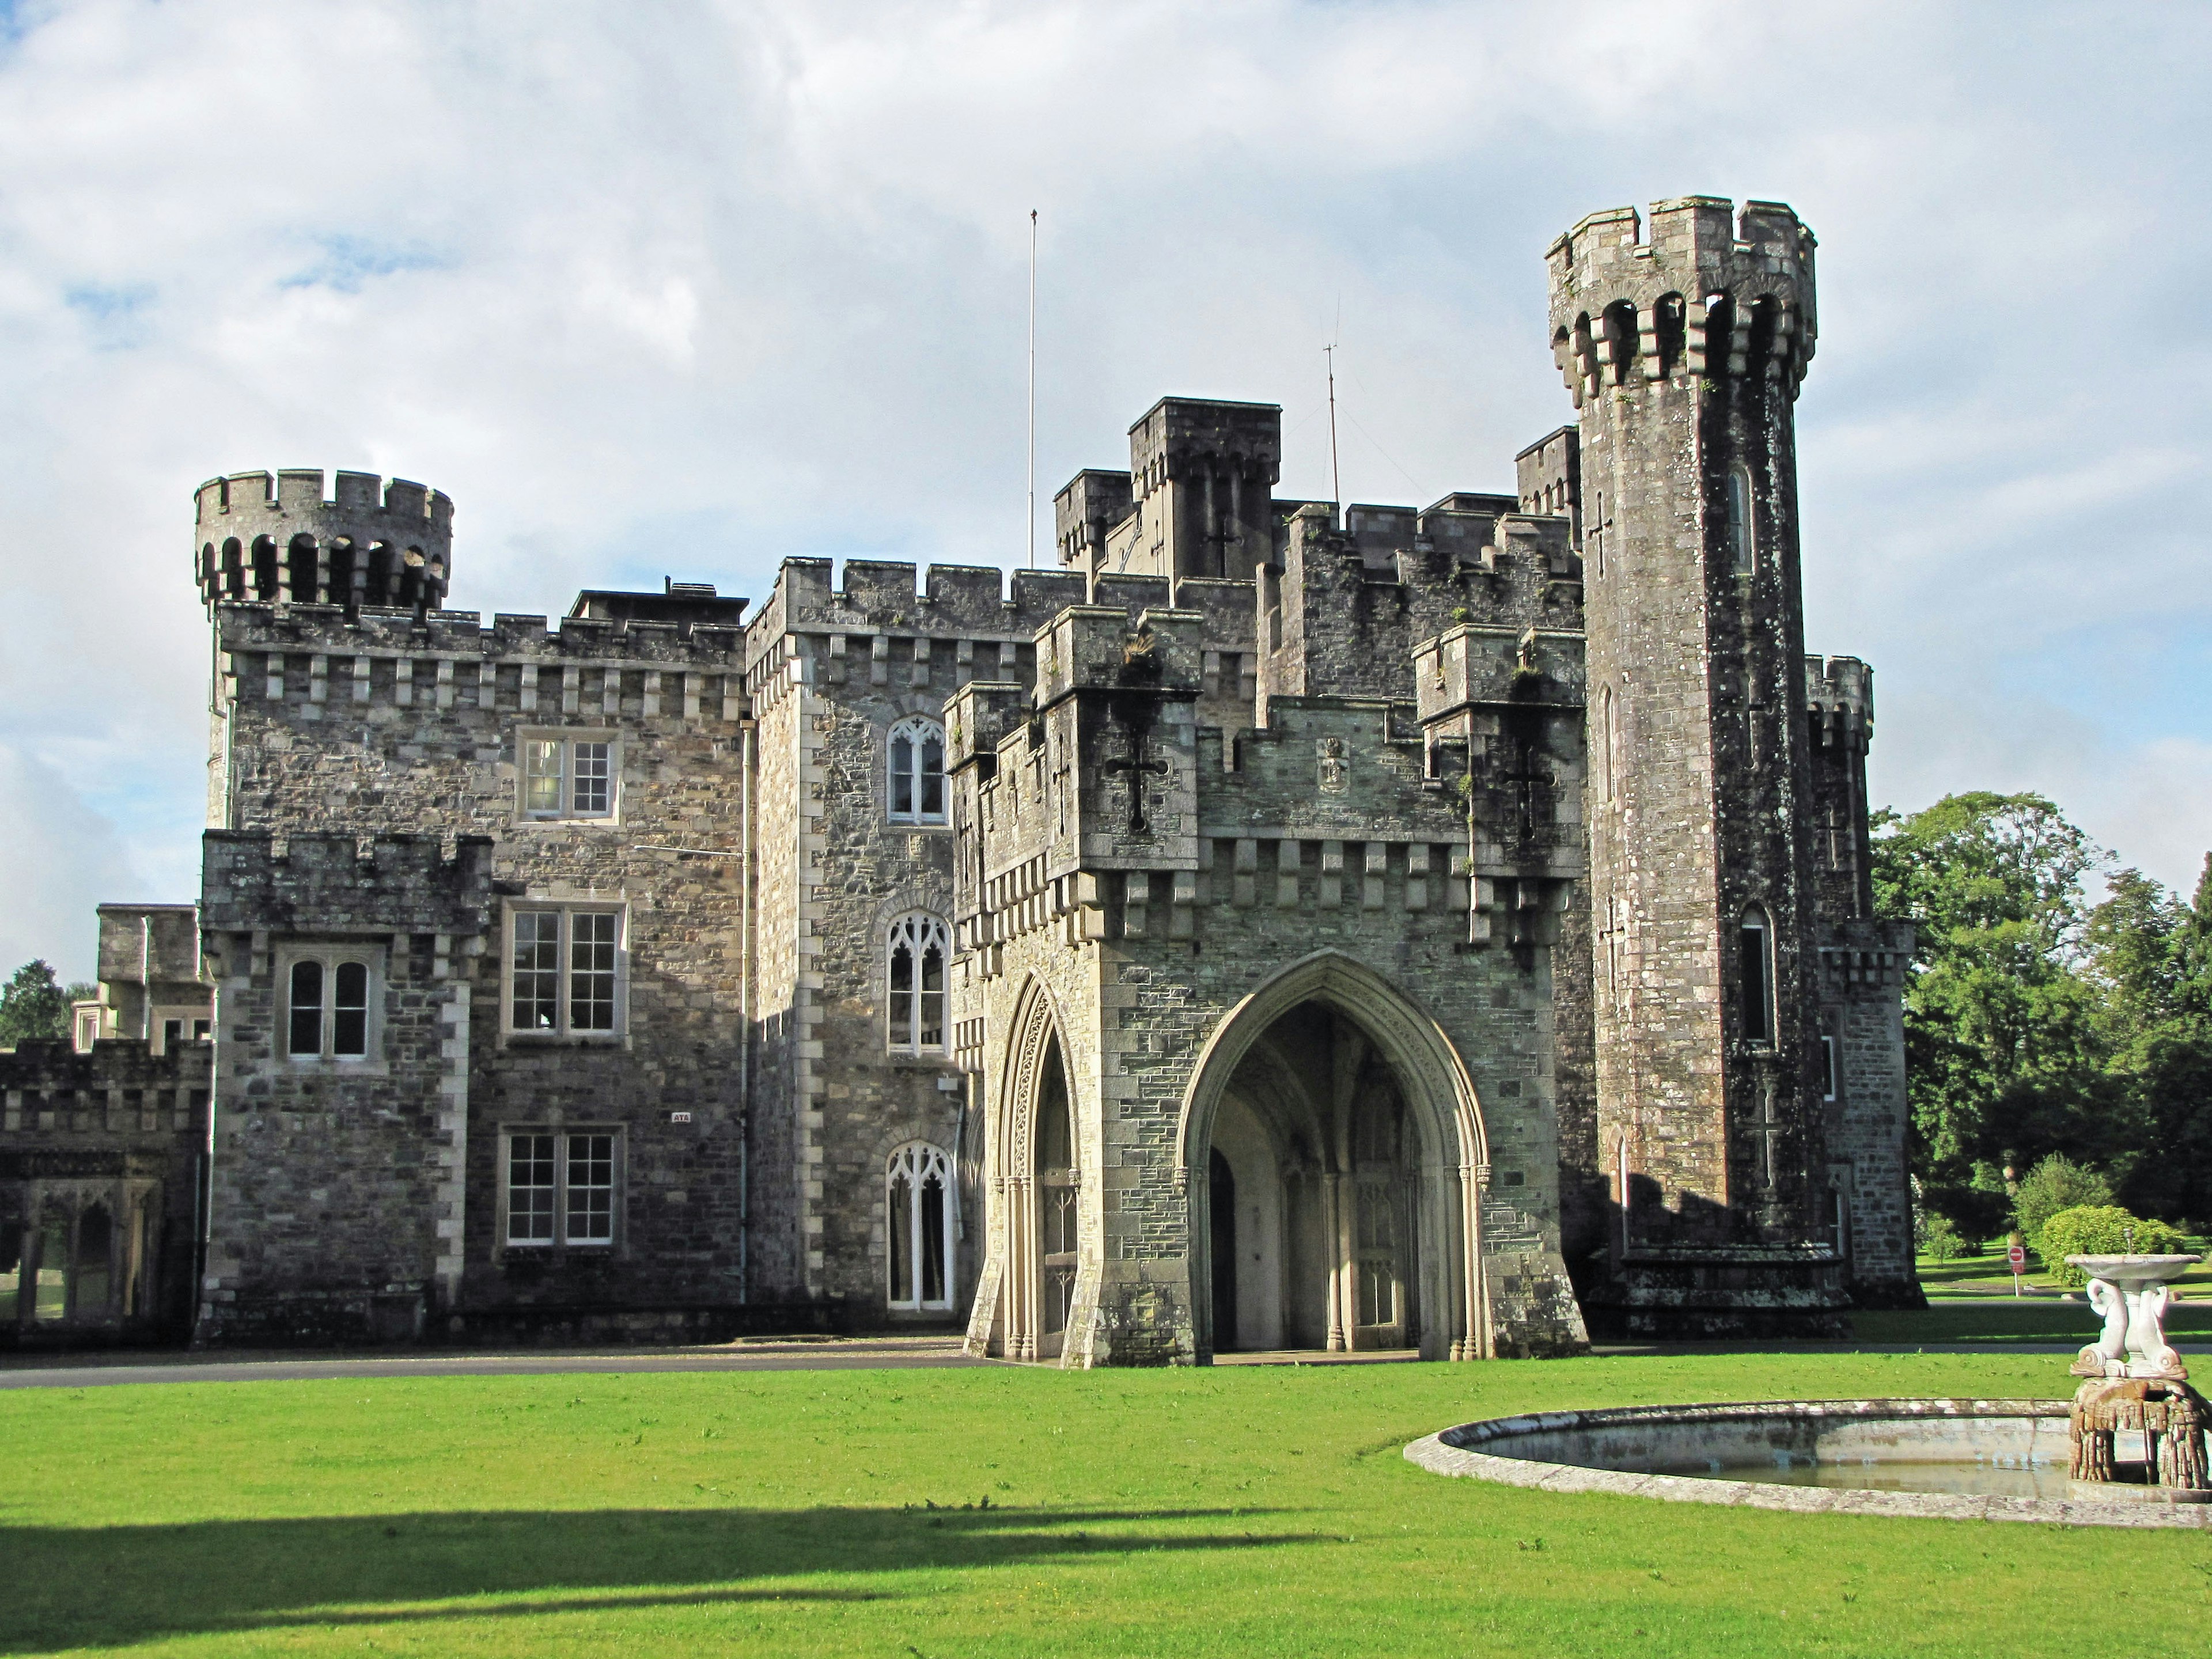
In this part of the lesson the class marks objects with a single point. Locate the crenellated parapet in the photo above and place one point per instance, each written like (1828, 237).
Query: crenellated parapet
(1347, 609)
(281, 541)
(1710, 296)
(1840, 701)
(893, 618)
(254, 882)
(319, 656)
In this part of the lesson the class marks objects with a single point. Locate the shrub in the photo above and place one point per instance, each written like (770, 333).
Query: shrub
(1940, 1242)
(2055, 1184)
(2101, 1229)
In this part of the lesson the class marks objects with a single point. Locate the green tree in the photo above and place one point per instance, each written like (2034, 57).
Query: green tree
(2103, 1230)
(2005, 1047)
(33, 1005)
(2150, 959)
(2056, 1183)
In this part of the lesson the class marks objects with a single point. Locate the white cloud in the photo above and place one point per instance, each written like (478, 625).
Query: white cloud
(65, 858)
(687, 288)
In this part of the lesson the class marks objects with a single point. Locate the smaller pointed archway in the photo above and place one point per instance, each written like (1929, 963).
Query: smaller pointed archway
(1027, 1301)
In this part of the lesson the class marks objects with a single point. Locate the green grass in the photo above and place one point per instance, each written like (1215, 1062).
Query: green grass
(1987, 1275)
(1224, 1512)
(2001, 1319)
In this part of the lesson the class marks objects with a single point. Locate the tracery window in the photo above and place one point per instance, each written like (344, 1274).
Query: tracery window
(916, 753)
(920, 944)
(918, 1199)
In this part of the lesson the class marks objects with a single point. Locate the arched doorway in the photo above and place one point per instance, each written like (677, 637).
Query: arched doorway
(1314, 1118)
(1056, 1197)
(1338, 1125)
(1031, 1277)
(1224, 1194)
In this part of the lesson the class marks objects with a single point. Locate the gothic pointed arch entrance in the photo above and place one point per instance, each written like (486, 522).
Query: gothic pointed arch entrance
(1032, 1294)
(1341, 1124)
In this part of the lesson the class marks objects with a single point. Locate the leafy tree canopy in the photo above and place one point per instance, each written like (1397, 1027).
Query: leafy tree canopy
(33, 1005)
(2039, 1023)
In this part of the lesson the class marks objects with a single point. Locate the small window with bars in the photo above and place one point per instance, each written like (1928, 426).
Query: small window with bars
(562, 1188)
(567, 776)
(564, 971)
(330, 1011)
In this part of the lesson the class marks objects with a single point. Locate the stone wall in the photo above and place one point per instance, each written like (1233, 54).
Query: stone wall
(344, 726)
(120, 1127)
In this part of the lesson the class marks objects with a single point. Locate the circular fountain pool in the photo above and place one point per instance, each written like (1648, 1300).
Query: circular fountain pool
(1996, 1460)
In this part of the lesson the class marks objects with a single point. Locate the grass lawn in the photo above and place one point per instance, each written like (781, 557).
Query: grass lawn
(1987, 1274)
(1224, 1512)
(2001, 1319)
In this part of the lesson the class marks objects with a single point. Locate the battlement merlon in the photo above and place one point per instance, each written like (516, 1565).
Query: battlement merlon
(1086, 508)
(1473, 667)
(1097, 648)
(326, 630)
(1839, 698)
(895, 597)
(268, 538)
(978, 718)
(1183, 437)
(1712, 295)
(254, 882)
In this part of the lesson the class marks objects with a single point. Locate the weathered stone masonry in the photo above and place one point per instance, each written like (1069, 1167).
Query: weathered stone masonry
(1281, 926)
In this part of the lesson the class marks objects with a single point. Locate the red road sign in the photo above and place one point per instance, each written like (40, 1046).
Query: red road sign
(2018, 1257)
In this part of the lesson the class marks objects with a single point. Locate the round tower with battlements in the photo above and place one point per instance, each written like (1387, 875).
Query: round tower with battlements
(284, 543)
(1684, 349)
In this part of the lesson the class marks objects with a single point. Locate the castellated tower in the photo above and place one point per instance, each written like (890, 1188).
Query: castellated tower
(281, 542)
(372, 544)
(1684, 353)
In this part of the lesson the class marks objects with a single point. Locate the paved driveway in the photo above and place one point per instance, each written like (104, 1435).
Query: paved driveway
(852, 1354)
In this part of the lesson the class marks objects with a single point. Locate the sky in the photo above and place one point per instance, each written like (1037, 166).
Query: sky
(687, 287)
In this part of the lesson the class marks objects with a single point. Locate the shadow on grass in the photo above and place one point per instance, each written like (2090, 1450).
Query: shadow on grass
(103, 1586)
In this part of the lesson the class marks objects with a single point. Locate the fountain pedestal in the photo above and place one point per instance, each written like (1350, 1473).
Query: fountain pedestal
(2137, 1384)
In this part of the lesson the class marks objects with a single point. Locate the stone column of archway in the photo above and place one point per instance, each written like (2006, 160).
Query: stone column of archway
(1440, 1097)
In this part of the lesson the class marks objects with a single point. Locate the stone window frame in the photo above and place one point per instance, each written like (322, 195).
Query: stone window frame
(618, 1034)
(568, 737)
(289, 955)
(918, 1160)
(190, 1015)
(1609, 744)
(920, 728)
(1831, 1063)
(924, 926)
(561, 1133)
(1740, 516)
(1754, 919)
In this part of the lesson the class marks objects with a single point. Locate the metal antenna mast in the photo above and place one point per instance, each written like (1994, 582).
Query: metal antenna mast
(1033, 263)
(1335, 484)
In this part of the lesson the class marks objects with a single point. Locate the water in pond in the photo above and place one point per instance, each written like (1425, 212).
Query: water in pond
(2010, 1477)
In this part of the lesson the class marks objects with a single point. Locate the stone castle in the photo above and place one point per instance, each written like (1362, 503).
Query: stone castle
(1281, 926)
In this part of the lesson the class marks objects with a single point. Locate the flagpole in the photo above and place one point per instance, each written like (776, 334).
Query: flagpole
(1033, 265)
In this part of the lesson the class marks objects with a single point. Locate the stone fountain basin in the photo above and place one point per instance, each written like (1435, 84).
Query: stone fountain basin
(1640, 1451)
(2127, 1270)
